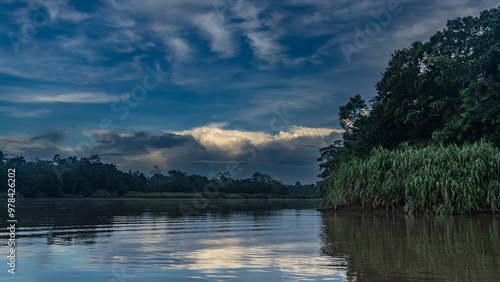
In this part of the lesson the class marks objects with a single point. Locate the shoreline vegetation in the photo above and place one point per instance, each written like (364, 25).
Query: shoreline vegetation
(435, 179)
(429, 141)
(74, 177)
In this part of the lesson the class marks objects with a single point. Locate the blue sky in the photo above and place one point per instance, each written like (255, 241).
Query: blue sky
(199, 86)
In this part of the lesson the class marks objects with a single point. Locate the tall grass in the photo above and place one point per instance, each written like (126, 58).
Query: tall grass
(436, 179)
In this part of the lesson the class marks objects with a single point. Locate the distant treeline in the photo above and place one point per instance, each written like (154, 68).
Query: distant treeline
(89, 177)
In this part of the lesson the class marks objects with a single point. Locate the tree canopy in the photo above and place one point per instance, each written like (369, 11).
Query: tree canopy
(444, 90)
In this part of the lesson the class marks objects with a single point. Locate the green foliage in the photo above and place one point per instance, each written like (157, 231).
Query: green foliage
(435, 179)
(444, 91)
(479, 116)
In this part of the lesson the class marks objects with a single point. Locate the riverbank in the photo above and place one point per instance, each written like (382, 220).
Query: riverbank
(217, 195)
(431, 180)
(381, 211)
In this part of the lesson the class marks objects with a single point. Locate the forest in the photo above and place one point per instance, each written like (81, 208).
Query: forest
(89, 177)
(437, 101)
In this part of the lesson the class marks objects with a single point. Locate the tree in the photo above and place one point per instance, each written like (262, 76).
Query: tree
(444, 90)
(95, 159)
(156, 170)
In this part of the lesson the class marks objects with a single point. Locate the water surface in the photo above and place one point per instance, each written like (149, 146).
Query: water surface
(245, 240)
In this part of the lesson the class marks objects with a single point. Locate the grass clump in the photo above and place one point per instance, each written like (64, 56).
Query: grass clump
(435, 179)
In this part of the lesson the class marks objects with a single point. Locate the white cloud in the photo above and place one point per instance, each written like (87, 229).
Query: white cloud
(15, 72)
(24, 113)
(77, 97)
(220, 37)
(265, 47)
(81, 45)
(249, 11)
(60, 10)
(124, 39)
(180, 49)
(300, 131)
(233, 141)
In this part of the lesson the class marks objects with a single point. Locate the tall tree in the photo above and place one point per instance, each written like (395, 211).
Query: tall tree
(444, 90)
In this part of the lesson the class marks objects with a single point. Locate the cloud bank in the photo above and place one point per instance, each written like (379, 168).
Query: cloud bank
(204, 150)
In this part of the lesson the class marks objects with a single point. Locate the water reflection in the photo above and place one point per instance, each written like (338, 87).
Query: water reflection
(247, 240)
(73, 221)
(151, 240)
(406, 248)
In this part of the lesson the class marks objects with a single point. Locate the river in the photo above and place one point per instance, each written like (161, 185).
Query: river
(129, 240)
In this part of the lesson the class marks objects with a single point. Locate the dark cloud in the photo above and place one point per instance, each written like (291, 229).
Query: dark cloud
(139, 142)
(288, 156)
(54, 136)
(24, 146)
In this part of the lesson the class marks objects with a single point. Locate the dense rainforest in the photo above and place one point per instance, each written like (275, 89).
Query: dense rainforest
(89, 177)
(429, 140)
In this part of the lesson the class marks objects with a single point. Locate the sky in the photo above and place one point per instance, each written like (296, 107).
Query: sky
(199, 86)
